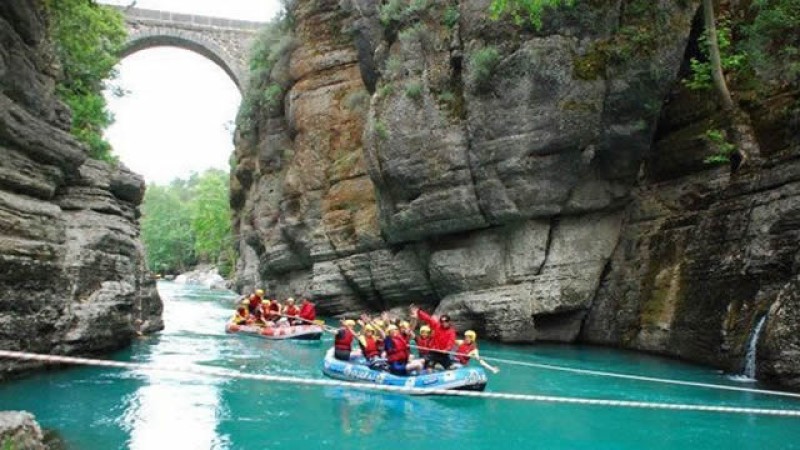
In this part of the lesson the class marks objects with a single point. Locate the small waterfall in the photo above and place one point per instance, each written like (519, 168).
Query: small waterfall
(750, 357)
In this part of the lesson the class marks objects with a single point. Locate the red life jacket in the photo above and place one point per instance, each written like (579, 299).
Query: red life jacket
(443, 338)
(464, 349)
(308, 312)
(399, 351)
(274, 310)
(423, 344)
(344, 339)
(292, 310)
(371, 347)
(255, 302)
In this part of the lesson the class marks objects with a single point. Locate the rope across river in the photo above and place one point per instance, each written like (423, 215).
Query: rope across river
(227, 373)
(601, 373)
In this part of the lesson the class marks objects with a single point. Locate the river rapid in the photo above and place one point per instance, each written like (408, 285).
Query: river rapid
(98, 408)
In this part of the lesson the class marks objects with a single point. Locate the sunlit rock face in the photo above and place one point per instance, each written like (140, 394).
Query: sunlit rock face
(496, 197)
(72, 274)
(497, 173)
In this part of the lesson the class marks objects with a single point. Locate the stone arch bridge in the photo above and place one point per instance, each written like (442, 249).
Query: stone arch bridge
(226, 42)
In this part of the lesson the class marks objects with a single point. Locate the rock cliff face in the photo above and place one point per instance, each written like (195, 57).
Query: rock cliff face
(528, 182)
(72, 274)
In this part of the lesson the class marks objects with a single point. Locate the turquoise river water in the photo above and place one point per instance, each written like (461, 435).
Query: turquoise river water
(96, 408)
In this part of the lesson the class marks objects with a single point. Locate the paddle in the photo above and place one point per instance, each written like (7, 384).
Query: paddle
(472, 354)
(320, 323)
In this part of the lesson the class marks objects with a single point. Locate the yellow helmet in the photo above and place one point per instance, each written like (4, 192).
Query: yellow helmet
(369, 327)
(379, 323)
(424, 329)
(290, 300)
(265, 302)
(391, 328)
(244, 302)
(349, 323)
(259, 292)
(405, 324)
(470, 334)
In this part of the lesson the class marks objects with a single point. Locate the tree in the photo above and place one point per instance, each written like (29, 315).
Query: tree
(166, 229)
(211, 215)
(87, 38)
(188, 221)
(714, 56)
(739, 126)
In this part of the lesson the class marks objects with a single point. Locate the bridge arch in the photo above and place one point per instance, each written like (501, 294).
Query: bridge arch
(177, 38)
(226, 42)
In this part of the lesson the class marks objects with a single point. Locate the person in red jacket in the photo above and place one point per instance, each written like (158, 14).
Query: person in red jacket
(255, 300)
(274, 310)
(423, 340)
(307, 311)
(343, 340)
(397, 351)
(442, 341)
(468, 348)
(292, 311)
(371, 345)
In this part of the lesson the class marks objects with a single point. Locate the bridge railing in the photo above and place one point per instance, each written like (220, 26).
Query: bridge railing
(192, 19)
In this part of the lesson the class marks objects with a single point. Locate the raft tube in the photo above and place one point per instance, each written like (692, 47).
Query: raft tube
(300, 332)
(356, 370)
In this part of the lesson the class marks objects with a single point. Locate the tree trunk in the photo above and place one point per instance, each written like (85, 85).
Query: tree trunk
(739, 127)
(713, 54)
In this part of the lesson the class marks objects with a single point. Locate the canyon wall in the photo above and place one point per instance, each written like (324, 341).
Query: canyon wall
(536, 184)
(72, 273)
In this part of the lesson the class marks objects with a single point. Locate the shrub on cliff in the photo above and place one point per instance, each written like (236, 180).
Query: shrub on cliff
(525, 10)
(269, 74)
(482, 65)
(87, 38)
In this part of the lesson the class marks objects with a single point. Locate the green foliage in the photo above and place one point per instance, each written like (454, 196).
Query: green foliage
(380, 129)
(522, 11)
(273, 96)
(732, 61)
(401, 10)
(482, 65)
(447, 97)
(417, 33)
(87, 39)
(773, 40)
(357, 101)
(8, 444)
(269, 74)
(385, 90)
(451, 16)
(722, 147)
(187, 221)
(414, 90)
(393, 67)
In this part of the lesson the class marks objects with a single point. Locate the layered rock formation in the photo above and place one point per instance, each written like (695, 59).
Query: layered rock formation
(428, 154)
(72, 274)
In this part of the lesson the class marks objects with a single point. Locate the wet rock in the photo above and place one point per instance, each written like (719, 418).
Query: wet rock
(779, 348)
(19, 430)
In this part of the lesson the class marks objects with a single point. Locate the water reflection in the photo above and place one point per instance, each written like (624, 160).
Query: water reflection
(178, 411)
(366, 414)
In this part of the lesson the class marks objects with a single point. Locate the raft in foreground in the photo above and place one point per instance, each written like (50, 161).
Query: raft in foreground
(463, 379)
(300, 332)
